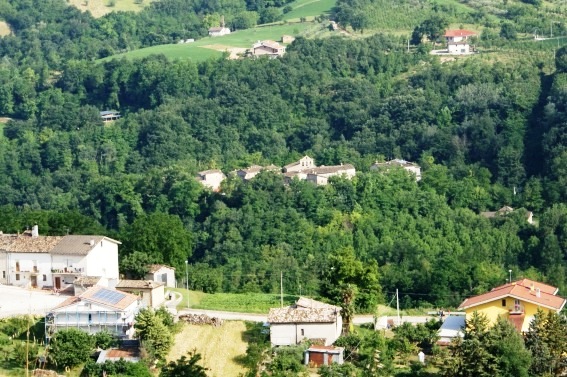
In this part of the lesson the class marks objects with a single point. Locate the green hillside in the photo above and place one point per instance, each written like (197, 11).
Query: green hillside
(210, 47)
(309, 9)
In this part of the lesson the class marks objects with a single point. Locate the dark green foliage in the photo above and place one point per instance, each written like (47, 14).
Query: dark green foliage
(185, 366)
(155, 336)
(120, 368)
(432, 28)
(561, 59)
(105, 340)
(288, 361)
(70, 347)
(508, 31)
(547, 342)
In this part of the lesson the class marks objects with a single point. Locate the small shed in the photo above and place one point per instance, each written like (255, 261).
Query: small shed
(161, 273)
(324, 355)
(109, 115)
(152, 293)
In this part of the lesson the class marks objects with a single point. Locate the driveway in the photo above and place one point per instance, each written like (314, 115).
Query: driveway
(19, 301)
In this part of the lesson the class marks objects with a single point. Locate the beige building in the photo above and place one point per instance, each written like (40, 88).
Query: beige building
(152, 293)
(211, 179)
(506, 210)
(321, 174)
(268, 48)
(411, 167)
(162, 274)
(218, 31)
(252, 171)
(306, 319)
(304, 163)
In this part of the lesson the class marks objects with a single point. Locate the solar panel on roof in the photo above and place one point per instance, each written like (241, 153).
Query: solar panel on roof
(111, 297)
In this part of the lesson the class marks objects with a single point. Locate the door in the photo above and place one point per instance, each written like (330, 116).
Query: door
(34, 281)
(57, 282)
(316, 358)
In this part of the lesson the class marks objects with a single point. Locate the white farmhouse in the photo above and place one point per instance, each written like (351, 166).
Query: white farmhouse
(95, 310)
(33, 261)
(161, 273)
(211, 179)
(307, 319)
(411, 167)
(304, 163)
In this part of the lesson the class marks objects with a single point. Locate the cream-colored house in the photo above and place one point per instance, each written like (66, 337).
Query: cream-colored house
(306, 319)
(268, 48)
(95, 310)
(304, 163)
(152, 293)
(456, 48)
(398, 163)
(321, 174)
(34, 261)
(218, 31)
(506, 210)
(162, 274)
(211, 179)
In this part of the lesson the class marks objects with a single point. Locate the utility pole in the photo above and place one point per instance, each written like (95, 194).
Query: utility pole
(281, 288)
(187, 280)
(398, 306)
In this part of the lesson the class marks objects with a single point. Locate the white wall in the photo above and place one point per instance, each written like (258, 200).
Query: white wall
(158, 276)
(27, 262)
(286, 334)
(102, 260)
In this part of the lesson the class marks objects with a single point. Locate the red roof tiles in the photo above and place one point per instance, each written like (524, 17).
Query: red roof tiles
(525, 290)
(459, 33)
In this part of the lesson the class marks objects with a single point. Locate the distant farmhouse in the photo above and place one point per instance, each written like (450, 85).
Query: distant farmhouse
(219, 31)
(252, 171)
(109, 115)
(457, 41)
(55, 262)
(268, 48)
(506, 210)
(306, 319)
(305, 169)
(397, 163)
(211, 179)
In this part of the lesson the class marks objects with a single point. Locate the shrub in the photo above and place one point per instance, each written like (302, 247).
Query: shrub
(69, 348)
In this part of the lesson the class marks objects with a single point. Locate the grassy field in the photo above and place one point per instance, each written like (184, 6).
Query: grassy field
(219, 347)
(99, 8)
(211, 47)
(233, 302)
(309, 9)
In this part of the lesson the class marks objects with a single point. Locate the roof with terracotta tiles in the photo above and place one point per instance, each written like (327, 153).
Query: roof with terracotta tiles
(521, 290)
(138, 284)
(459, 33)
(153, 268)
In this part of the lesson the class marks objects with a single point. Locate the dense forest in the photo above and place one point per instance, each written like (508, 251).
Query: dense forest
(487, 133)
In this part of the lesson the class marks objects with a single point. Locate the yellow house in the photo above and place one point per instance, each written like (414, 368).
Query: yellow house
(518, 301)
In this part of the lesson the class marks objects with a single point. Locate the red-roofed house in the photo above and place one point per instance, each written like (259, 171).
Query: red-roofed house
(457, 41)
(518, 302)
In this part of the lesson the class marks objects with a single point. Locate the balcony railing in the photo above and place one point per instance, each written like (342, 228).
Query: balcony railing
(68, 270)
(516, 309)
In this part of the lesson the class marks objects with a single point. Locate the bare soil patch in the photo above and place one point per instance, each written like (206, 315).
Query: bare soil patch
(4, 29)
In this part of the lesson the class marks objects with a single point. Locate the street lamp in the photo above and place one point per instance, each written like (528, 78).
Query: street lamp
(187, 280)
(510, 272)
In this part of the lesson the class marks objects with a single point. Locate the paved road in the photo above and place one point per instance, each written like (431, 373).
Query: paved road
(19, 301)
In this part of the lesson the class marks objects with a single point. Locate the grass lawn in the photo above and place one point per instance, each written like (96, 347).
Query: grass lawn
(309, 8)
(99, 8)
(219, 347)
(233, 302)
(213, 47)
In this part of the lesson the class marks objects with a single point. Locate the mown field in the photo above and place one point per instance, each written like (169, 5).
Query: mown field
(219, 347)
(211, 47)
(99, 8)
(309, 9)
(233, 302)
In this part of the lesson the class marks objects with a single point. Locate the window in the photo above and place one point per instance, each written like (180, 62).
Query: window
(17, 276)
(3, 274)
(90, 317)
(503, 302)
(302, 332)
(17, 266)
(44, 277)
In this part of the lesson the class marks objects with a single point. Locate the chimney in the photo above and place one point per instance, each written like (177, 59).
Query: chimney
(537, 292)
(35, 231)
(532, 287)
(91, 242)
